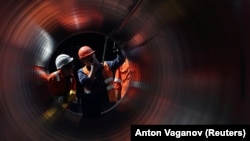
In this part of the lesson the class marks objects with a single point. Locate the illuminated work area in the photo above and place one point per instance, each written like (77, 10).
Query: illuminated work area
(188, 64)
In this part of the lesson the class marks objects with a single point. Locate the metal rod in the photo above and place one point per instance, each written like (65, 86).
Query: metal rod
(104, 50)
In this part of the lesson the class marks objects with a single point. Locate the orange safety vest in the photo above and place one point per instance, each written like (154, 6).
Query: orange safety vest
(108, 80)
(57, 84)
(122, 78)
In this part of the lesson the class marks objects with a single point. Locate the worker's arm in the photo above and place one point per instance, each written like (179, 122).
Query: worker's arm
(93, 69)
(117, 62)
(87, 80)
(84, 79)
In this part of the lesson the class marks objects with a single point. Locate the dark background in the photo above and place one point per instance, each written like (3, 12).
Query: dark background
(193, 58)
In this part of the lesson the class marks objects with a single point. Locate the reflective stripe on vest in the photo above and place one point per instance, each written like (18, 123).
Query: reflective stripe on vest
(110, 87)
(58, 78)
(108, 75)
(108, 80)
(117, 80)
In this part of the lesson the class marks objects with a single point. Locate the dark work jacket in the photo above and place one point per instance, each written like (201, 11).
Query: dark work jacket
(92, 102)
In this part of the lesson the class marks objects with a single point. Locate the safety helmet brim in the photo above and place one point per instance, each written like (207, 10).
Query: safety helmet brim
(87, 55)
(85, 51)
(59, 66)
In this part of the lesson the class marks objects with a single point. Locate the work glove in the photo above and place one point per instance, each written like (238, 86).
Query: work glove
(71, 96)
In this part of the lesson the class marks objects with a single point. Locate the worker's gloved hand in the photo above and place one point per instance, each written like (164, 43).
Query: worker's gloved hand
(71, 96)
(118, 49)
(72, 92)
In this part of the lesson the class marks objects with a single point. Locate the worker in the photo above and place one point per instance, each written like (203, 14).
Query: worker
(121, 79)
(96, 79)
(62, 82)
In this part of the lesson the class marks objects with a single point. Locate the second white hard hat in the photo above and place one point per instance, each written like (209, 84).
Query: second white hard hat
(62, 60)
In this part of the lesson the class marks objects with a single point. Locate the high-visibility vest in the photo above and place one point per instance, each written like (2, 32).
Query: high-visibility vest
(108, 80)
(58, 85)
(122, 78)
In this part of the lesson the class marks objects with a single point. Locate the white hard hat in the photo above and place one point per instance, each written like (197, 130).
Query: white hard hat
(62, 60)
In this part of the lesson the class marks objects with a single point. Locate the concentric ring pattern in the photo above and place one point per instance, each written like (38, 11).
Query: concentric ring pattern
(191, 64)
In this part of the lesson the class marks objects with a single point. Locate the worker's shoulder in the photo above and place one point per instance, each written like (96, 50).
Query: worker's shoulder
(106, 64)
(80, 69)
(53, 75)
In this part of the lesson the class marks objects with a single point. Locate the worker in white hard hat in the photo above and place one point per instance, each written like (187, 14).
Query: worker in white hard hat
(62, 82)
